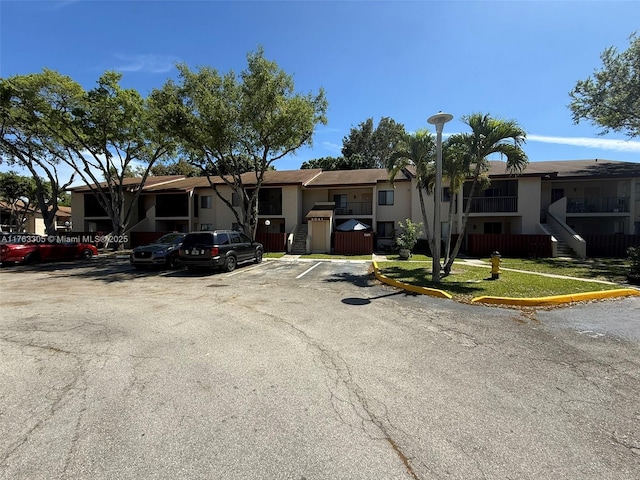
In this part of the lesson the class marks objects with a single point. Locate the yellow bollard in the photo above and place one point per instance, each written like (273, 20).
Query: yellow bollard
(495, 265)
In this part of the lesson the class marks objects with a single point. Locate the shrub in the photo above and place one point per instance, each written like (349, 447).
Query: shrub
(634, 270)
(409, 234)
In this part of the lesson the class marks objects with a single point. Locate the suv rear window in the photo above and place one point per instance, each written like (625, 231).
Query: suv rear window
(205, 239)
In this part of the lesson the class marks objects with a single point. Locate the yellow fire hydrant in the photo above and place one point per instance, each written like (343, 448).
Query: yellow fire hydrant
(495, 265)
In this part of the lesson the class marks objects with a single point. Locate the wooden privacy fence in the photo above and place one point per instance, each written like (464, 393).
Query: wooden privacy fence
(524, 246)
(353, 243)
(610, 245)
(273, 242)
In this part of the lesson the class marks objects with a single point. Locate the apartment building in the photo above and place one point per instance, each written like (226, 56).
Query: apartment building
(566, 200)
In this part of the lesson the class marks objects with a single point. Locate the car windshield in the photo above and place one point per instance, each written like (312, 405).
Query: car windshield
(171, 238)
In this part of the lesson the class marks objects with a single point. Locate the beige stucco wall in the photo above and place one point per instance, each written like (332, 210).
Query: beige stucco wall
(291, 201)
(311, 197)
(402, 207)
(77, 211)
(221, 216)
(529, 200)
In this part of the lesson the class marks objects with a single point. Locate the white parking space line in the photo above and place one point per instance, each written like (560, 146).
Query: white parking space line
(242, 269)
(308, 270)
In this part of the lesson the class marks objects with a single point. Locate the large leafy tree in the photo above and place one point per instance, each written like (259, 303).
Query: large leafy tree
(488, 136)
(416, 150)
(611, 97)
(369, 147)
(235, 127)
(181, 167)
(328, 163)
(101, 133)
(26, 140)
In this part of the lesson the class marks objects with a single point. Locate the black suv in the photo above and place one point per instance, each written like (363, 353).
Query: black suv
(218, 249)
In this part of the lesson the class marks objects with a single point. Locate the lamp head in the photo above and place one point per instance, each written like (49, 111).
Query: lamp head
(440, 118)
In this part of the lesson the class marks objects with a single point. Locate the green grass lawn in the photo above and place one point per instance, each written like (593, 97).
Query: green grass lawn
(468, 281)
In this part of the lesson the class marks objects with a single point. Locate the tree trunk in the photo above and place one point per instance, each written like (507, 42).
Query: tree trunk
(452, 203)
(465, 218)
(425, 220)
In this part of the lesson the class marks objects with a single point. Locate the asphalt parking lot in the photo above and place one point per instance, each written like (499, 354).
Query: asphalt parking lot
(305, 370)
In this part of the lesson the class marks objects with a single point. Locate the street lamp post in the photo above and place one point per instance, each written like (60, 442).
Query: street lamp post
(439, 119)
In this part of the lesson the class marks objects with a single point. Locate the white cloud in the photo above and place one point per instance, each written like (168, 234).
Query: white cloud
(148, 63)
(589, 142)
(334, 147)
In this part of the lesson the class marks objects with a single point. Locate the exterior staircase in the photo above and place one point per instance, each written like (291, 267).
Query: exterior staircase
(564, 250)
(299, 246)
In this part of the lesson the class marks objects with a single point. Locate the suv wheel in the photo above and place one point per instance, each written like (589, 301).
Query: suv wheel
(258, 257)
(230, 263)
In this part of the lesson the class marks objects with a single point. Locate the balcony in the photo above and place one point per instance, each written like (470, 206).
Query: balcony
(493, 204)
(598, 205)
(354, 208)
(269, 208)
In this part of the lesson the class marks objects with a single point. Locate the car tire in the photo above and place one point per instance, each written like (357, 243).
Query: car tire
(31, 258)
(86, 254)
(172, 261)
(230, 263)
(258, 257)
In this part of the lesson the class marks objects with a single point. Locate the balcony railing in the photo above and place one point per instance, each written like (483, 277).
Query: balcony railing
(354, 208)
(265, 208)
(493, 204)
(597, 204)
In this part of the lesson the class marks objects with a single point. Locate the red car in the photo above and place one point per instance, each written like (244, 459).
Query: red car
(41, 250)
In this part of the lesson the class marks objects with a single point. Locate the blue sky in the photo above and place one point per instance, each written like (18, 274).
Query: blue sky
(400, 59)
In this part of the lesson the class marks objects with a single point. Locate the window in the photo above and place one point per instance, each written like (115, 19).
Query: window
(385, 229)
(172, 205)
(446, 194)
(235, 199)
(206, 227)
(340, 200)
(206, 201)
(492, 227)
(222, 239)
(385, 197)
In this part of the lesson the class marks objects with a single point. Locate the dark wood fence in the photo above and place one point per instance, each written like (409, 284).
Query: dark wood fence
(273, 242)
(518, 246)
(610, 245)
(353, 243)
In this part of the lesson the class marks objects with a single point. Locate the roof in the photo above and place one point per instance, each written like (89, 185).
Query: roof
(317, 178)
(63, 211)
(594, 168)
(336, 178)
(133, 182)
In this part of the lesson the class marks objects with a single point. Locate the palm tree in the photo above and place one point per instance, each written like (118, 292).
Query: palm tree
(488, 136)
(417, 150)
(456, 170)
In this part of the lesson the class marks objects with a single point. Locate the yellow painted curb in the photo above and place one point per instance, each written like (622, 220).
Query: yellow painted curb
(557, 299)
(434, 292)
